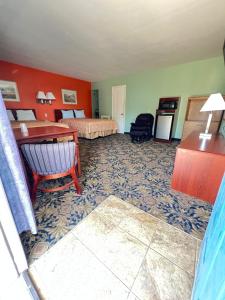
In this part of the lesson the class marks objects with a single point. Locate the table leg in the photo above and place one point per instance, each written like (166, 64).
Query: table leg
(75, 138)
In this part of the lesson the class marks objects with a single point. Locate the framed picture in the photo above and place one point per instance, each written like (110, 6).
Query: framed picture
(69, 97)
(9, 91)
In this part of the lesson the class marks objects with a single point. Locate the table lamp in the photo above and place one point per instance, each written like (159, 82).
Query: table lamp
(214, 102)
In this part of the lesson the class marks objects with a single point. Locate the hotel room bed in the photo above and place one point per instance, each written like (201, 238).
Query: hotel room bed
(15, 123)
(28, 116)
(87, 127)
(37, 123)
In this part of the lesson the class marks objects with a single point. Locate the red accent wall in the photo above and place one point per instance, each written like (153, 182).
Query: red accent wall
(30, 81)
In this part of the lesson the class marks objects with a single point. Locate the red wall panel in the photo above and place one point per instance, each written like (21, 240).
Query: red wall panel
(30, 81)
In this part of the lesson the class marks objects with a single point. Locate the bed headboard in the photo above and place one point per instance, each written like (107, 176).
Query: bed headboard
(14, 111)
(58, 114)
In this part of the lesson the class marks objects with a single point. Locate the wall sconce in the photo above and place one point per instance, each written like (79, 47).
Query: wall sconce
(50, 97)
(44, 99)
(41, 97)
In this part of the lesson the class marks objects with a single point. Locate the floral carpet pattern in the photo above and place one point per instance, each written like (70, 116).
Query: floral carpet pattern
(137, 173)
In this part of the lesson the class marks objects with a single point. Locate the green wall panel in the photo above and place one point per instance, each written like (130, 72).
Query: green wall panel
(145, 88)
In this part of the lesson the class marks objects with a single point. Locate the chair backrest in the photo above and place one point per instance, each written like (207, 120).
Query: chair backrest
(144, 119)
(48, 159)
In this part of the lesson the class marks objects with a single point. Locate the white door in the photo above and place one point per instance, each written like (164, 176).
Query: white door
(118, 106)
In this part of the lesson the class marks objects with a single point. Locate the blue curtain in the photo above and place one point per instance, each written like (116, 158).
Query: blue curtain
(12, 176)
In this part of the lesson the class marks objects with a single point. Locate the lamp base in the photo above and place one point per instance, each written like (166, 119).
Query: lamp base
(206, 136)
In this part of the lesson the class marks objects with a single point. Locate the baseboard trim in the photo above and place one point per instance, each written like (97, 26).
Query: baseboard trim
(173, 139)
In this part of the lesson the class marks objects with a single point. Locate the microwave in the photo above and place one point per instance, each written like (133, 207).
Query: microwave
(167, 104)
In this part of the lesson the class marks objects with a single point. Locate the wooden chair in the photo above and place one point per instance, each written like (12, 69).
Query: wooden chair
(51, 161)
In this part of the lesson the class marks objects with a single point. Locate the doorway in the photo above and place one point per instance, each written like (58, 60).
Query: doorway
(95, 104)
(118, 106)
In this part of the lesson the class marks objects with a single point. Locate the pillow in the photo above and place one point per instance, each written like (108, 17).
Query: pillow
(25, 115)
(67, 114)
(10, 115)
(79, 113)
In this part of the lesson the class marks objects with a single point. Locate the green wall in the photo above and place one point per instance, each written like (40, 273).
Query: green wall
(145, 88)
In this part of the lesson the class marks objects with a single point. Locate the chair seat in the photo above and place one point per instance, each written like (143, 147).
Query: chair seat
(139, 133)
(139, 128)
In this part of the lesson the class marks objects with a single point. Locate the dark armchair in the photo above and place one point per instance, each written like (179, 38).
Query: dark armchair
(141, 130)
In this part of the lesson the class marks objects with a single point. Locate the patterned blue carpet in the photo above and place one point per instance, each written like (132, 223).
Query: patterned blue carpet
(137, 173)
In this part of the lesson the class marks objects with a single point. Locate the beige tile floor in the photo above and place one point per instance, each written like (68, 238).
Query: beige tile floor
(118, 252)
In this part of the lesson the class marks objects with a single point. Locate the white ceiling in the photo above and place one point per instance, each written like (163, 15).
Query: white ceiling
(99, 39)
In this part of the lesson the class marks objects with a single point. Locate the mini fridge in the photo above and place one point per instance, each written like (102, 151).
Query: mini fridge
(163, 126)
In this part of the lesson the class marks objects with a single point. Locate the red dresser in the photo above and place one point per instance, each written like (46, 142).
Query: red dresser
(199, 166)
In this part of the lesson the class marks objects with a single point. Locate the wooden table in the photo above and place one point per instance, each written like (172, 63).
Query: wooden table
(48, 132)
(199, 166)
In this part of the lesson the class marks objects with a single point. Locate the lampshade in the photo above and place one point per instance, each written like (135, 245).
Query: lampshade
(214, 102)
(50, 96)
(41, 95)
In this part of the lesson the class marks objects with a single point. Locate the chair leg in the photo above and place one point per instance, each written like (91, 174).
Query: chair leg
(34, 188)
(75, 181)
